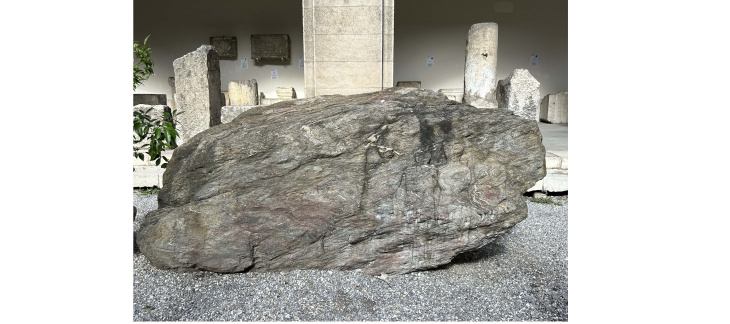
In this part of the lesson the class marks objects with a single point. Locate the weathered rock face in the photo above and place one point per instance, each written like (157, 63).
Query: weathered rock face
(520, 93)
(389, 182)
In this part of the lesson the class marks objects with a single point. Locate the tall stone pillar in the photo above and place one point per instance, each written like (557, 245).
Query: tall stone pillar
(348, 46)
(198, 91)
(480, 70)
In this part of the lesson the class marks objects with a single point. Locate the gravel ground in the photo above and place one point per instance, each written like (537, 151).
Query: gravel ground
(521, 276)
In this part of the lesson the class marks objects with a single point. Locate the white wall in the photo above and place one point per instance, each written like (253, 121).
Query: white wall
(440, 27)
(422, 27)
(181, 26)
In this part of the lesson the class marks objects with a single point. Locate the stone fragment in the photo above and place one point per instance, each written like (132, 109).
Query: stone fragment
(198, 86)
(554, 108)
(520, 93)
(243, 93)
(285, 92)
(389, 182)
(480, 70)
(409, 84)
(455, 94)
(149, 99)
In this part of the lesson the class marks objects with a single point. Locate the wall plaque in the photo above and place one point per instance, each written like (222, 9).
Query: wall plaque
(227, 47)
(270, 47)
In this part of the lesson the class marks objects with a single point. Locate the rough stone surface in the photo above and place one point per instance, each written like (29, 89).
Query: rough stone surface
(409, 84)
(229, 113)
(520, 93)
(198, 91)
(243, 93)
(389, 182)
(554, 108)
(480, 70)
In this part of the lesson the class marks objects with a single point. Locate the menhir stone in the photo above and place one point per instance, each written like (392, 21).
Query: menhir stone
(389, 182)
(198, 91)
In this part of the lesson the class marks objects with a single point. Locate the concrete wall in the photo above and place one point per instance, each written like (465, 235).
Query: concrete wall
(181, 26)
(439, 28)
(422, 27)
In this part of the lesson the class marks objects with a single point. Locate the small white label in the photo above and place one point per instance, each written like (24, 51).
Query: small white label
(274, 74)
(244, 63)
(301, 63)
(429, 61)
(533, 59)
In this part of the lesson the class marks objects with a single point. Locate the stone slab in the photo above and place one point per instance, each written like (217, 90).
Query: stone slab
(554, 108)
(409, 84)
(198, 86)
(243, 93)
(149, 99)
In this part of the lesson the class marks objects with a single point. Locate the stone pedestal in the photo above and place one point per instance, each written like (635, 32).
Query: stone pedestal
(198, 91)
(554, 108)
(243, 93)
(520, 93)
(348, 46)
(480, 70)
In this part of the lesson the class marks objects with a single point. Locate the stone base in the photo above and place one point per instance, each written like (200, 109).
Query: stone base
(149, 99)
(147, 174)
(556, 179)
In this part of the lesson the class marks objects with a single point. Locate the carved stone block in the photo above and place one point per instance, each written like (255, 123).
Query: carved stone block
(270, 47)
(227, 47)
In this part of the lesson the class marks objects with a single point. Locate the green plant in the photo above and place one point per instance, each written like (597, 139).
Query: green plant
(160, 133)
(545, 201)
(148, 191)
(142, 55)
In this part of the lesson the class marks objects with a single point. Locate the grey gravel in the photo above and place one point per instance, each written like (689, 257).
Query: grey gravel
(521, 276)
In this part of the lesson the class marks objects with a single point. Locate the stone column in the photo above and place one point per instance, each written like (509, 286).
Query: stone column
(243, 93)
(480, 70)
(198, 91)
(348, 46)
(520, 93)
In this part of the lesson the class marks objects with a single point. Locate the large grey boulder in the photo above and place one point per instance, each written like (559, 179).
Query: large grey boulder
(390, 182)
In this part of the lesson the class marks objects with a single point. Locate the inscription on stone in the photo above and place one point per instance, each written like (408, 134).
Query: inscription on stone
(227, 47)
(270, 47)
